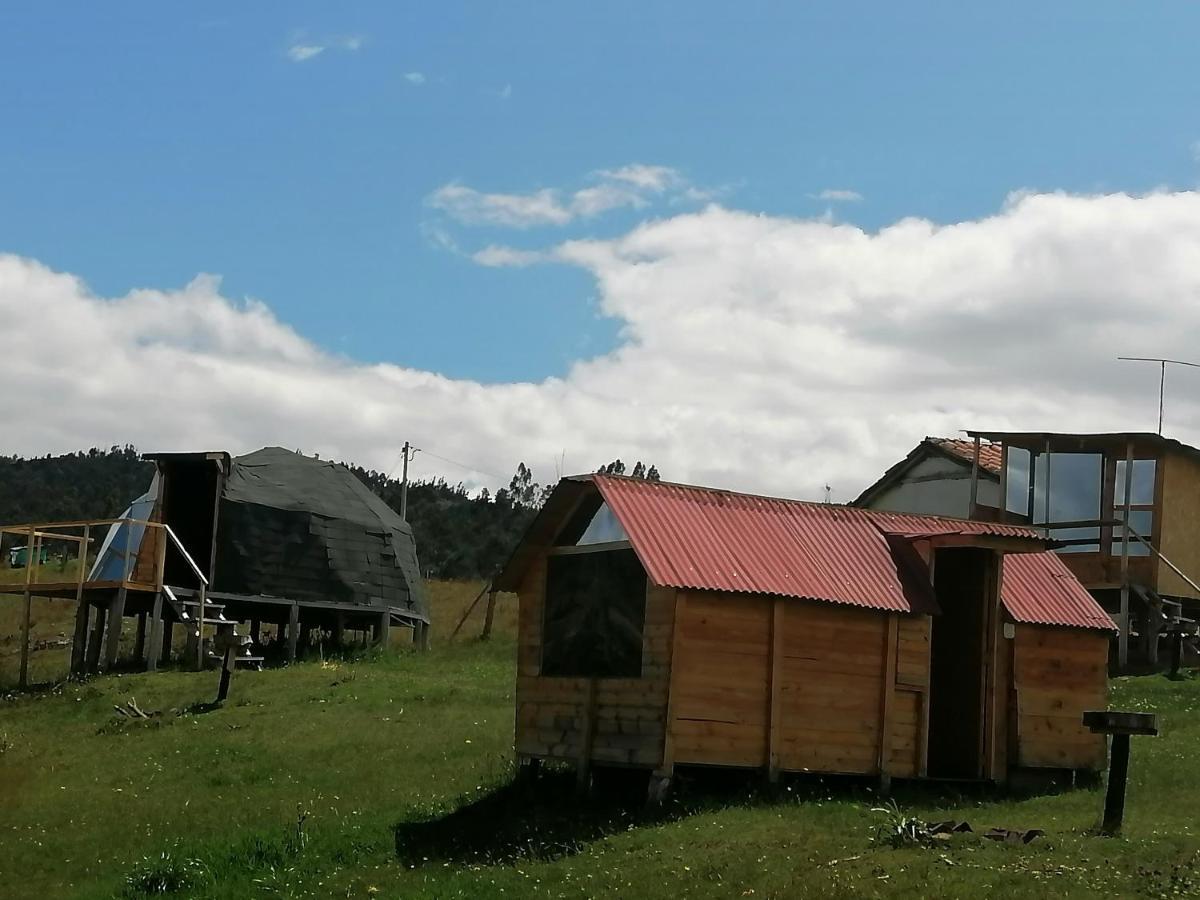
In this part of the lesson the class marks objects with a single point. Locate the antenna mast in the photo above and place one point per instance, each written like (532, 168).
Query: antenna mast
(1162, 377)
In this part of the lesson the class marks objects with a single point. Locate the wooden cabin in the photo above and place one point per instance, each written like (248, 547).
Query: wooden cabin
(663, 625)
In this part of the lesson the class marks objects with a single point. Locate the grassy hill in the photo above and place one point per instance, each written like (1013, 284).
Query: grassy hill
(389, 776)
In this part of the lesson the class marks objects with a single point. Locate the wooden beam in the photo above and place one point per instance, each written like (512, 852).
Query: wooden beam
(385, 624)
(992, 620)
(139, 643)
(154, 646)
(891, 649)
(589, 548)
(79, 643)
(489, 616)
(775, 691)
(923, 727)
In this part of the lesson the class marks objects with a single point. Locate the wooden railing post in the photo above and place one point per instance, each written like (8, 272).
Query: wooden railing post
(31, 554)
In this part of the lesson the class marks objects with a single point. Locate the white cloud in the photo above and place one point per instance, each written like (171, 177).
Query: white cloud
(496, 256)
(304, 52)
(505, 92)
(840, 195)
(414, 77)
(351, 43)
(630, 186)
(757, 352)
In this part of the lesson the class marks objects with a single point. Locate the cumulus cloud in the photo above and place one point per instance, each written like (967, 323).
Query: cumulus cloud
(304, 52)
(631, 186)
(840, 195)
(414, 77)
(497, 256)
(757, 352)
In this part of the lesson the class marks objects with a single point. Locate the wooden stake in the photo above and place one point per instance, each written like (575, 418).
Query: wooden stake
(489, 616)
(82, 609)
(385, 625)
(139, 642)
(887, 700)
(96, 641)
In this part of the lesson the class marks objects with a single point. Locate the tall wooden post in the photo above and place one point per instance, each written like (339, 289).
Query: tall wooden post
(154, 651)
(139, 641)
(385, 625)
(32, 552)
(293, 632)
(1123, 637)
(82, 608)
(973, 506)
(1118, 776)
(168, 639)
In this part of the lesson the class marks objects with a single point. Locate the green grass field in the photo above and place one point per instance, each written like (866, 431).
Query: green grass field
(389, 776)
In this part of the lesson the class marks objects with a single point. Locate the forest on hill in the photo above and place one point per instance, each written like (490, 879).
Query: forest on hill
(459, 534)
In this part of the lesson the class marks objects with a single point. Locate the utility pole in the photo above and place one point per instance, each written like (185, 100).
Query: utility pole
(1162, 377)
(409, 453)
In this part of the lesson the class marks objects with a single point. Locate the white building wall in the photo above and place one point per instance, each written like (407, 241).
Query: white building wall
(939, 487)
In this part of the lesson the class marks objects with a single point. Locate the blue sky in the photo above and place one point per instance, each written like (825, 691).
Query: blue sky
(144, 143)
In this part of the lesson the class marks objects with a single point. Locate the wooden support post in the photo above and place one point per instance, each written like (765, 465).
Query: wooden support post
(293, 632)
(339, 627)
(1176, 651)
(384, 628)
(1118, 775)
(775, 692)
(583, 764)
(973, 506)
(660, 779)
(32, 552)
(79, 644)
(1123, 636)
(489, 616)
(421, 636)
(227, 665)
(887, 702)
(96, 642)
(168, 639)
(256, 630)
(116, 619)
(139, 642)
(154, 646)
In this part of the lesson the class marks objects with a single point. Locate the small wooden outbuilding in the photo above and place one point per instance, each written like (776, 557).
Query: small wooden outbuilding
(664, 625)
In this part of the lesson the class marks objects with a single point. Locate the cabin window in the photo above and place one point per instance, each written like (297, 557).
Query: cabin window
(593, 523)
(1141, 505)
(1017, 500)
(1076, 483)
(595, 615)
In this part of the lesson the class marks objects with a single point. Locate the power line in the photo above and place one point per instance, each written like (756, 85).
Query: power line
(462, 465)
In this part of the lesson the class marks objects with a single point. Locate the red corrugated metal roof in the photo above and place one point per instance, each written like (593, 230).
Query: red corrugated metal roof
(1039, 589)
(706, 539)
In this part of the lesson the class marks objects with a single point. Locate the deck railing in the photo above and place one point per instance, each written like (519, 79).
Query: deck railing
(38, 535)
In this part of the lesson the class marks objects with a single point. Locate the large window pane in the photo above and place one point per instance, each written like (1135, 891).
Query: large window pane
(1142, 521)
(1141, 488)
(1017, 500)
(603, 528)
(595, 614)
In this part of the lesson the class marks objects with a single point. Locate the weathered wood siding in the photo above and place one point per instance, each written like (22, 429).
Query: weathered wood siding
(1180, 523)
(628, 713)
(831, 684)
(1058, 673)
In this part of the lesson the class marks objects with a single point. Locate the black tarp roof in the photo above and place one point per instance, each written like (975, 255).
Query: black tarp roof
(293, 526)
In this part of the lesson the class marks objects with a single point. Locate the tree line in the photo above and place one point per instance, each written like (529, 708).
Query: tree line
(459, 533)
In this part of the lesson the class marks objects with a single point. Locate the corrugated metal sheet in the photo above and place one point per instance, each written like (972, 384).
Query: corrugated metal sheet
(1039, 589)
(705, 539)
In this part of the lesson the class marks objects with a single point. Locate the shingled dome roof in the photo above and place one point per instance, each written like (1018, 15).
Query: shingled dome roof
(293, 526)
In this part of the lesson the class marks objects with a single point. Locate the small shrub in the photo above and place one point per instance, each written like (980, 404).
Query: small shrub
(901, 830)
(167, 873)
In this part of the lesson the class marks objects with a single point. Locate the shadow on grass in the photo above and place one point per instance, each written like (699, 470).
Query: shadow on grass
(533, 818)
(545, 818)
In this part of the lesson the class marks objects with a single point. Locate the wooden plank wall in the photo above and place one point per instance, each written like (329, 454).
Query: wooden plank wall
(628, 714)
(1179, 511)
(1058, 673)
(831, 707)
